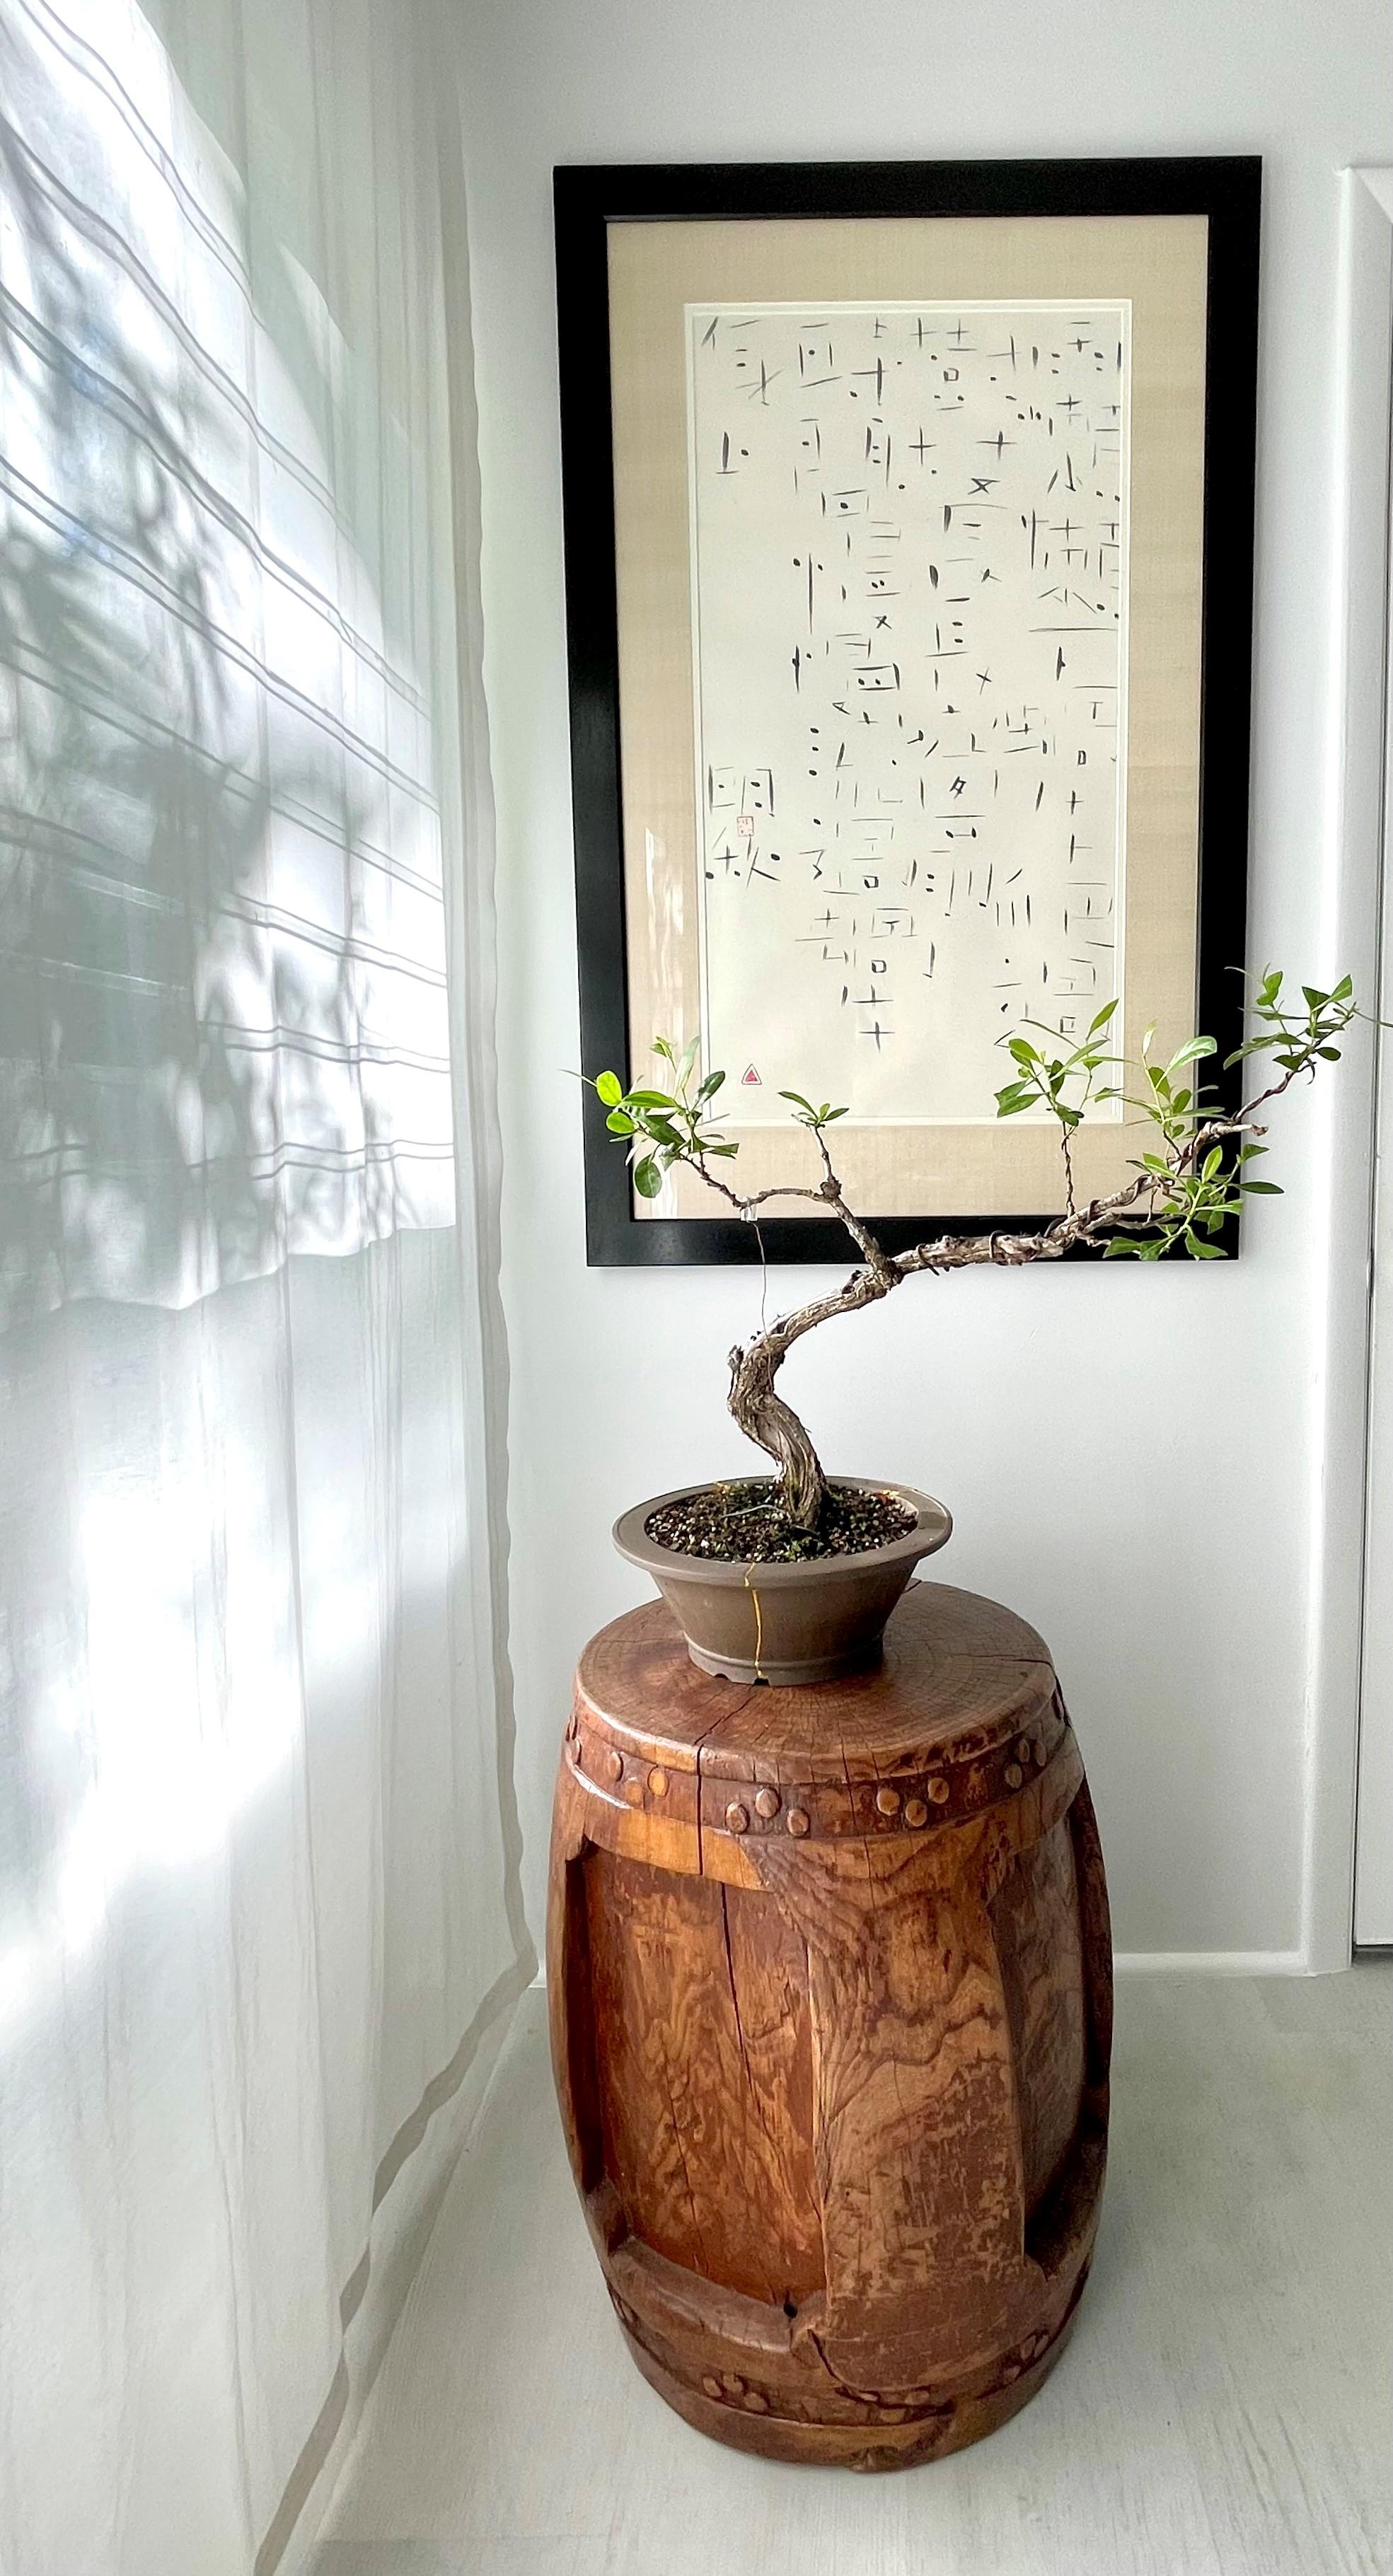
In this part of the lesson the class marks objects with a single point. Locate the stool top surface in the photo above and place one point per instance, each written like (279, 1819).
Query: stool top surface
(960, 1676)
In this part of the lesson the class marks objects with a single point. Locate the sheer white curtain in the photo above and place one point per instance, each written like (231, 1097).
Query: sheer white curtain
(258, 1893)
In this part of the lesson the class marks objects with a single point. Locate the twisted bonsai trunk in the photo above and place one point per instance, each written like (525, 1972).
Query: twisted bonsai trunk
(763, 1415)
(774, 1427)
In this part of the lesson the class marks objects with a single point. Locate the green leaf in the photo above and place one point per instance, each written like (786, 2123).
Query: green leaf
(689, 1057)
(1022, 1050)
(610, 1088)
(710, 1087)
(618, 1124)
(1344, 990)
(648, 1180)
(650, 1100)
(837, 1113)
(1101, 1018)
(1262, 1189)
(663, 1047)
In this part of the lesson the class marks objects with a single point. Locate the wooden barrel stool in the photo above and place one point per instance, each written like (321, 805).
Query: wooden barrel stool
(830, 1992)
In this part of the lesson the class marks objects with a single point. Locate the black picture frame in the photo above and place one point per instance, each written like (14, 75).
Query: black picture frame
(1227, 190)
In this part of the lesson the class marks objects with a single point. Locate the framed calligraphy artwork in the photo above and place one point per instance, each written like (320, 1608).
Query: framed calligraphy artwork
(909, 531)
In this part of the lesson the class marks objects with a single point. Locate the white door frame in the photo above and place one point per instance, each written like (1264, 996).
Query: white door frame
(1371, 263)
(1352, 1637)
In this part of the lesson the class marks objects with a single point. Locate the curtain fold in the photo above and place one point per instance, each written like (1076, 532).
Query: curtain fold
(258, 1859)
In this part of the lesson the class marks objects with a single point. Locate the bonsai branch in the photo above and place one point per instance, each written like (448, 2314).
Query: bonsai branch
(1180, 1196)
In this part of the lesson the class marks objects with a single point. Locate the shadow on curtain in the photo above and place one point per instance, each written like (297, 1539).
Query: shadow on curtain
(259, 1887)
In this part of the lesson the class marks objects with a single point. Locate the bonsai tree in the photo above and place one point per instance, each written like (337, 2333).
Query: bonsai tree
(1191, 1176)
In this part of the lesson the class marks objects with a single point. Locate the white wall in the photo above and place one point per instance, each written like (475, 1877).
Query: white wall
(1132, 1455)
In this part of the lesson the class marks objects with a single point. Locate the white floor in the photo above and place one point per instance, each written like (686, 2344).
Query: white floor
(1223, 2409)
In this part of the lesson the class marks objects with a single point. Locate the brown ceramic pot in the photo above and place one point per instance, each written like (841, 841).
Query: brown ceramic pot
(802, 1622)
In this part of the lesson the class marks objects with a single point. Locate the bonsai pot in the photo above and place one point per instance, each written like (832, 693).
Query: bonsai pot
(804, 1621)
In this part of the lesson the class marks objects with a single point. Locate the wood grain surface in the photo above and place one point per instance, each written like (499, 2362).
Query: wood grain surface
(830, 1991)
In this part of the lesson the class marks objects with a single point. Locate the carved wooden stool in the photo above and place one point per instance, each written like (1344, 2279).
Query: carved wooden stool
(830, 1992)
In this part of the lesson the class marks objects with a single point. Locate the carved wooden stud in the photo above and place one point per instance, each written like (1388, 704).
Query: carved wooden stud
(835, 2094)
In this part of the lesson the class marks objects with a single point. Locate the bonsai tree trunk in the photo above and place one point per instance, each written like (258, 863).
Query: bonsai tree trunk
(774, 1427)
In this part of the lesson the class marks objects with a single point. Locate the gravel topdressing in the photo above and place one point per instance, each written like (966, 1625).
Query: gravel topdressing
(744, 1524)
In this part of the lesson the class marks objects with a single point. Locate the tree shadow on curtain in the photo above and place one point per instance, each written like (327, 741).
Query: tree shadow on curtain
(202, 886)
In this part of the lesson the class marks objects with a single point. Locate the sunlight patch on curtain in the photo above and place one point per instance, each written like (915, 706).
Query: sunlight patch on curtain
(222, 953)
